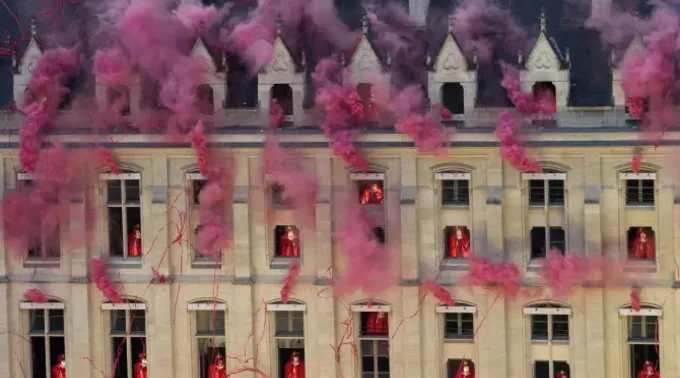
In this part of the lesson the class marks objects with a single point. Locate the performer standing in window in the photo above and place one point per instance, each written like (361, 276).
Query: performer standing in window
(289, 244)
(648, 371)
(562, 374)
(59, 369)
(459, 243)
(372, 195)
(643, 245)
(140, 367)
(465, 371)
(135, 241)
(295, 368)
(376, 323)
(217, 368)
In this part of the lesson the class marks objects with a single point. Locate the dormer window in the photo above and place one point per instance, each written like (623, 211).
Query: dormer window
(544, 95)
(241, 85)
(119, 99)
(283, 94)
(453, 97)
(67, 97)
(365, 92)
(205, 97)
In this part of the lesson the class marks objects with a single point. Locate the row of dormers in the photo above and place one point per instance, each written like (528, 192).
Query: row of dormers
(452, 77)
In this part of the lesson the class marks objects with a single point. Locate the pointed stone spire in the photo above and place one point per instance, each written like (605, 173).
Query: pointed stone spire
(451, 18)
(543, 22)
(520, 58)
(303, 59)
(475, 59)
(279, 24)
(34, 28)
(567, 56)
(224, 62)
(429, 60)
(364, 23)
(389, 59)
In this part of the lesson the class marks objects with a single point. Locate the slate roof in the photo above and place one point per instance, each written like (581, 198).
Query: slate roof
(590, 62)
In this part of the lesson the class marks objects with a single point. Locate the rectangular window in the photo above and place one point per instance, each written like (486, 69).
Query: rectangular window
(128, 342)
(375, 358)
(639, 192)
(196, 186)
(559, 368)
(546, 192)
(123, 195)
(542, 241)
(46, 335)
(47, 244)
(459, 326)
(458, 367)
(277, 195)
(643, 344)
(455, 192)
(211, 341)
(289, 335)
(549, 327)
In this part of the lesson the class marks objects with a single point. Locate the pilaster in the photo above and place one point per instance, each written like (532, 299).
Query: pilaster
(493, 357)
(160, 331)
(242, 259)
(157, 236)
(494, 208)
(4, 253)
(411, 331)
(6, 361)
(595, 347)
(323, 253)
(76, 250)
(246, 332)
(409, 219)
(326, 335)
(78, 338)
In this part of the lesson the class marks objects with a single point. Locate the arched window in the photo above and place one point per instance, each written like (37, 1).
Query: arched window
(549, 324)
(209, 328)
(46, 335)
(123, 214)
(453, 97)
(127, 334)
(241, 85)
(544, 95)
(642, 328)
(283, 94)
(374, 344)
(289, 332)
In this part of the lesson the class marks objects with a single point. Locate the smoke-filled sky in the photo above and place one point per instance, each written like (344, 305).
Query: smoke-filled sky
(591, 75)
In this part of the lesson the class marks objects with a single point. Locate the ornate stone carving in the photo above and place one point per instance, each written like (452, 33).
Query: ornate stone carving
(451, 62)
(543, 61)
(280, 63)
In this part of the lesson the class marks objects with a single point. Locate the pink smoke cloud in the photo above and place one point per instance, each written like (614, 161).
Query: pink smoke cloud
(439, 292)
(101, 278)
(502, 276)
(289, 281)
(35, 295)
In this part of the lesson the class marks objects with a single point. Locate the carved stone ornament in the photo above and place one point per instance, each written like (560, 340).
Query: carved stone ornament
(280, 63)
(366, 62)
(543, 61)
(450, 63)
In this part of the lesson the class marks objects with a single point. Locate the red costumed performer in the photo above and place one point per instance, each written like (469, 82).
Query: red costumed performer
(295, 368)
(289, 244)
(376, 324)
(140, 367)
(372, 195)
(562, 374)
(217, 369)
(459, 244)
(465, 371)
(643, 245)
(135, 241)
(648, 371)
(59, 369)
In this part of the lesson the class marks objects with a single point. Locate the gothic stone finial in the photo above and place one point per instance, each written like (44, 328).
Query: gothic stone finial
(451, 18)
(389, 59)
(543, 23)
(34, 28)
(303, 59)
(567, 56)
(364, 23)
(279, 24)
(520, 58)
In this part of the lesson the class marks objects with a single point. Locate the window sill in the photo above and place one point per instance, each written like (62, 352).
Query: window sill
(205, 264)
(282, 262)
(640, 266)
(374, 337)
(372, 205)
(465, 206)
(125, 263)
(459, 340)
(455, 264)
(33, 262)
(550, 206)
(642, 206)
(535, 264)
(282, 206)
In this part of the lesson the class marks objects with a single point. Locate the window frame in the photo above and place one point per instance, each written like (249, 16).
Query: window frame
(547, 242)
(358, 312)
(639, 177)
(627, 315)
(550, 311)
(454, 176)
(357, 179)
(272, 310)
(548, 176)
(197, 309)
(27, 180)
(130, 307)
(193, 209)
(462, 335)
(104, 179)
(46, 334)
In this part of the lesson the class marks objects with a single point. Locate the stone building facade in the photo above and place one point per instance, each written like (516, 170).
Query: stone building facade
(588, 203)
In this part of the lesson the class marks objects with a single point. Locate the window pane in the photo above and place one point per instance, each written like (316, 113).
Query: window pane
(635, 327)
(118, 324)
(131, 191)
(367, 348)
(37, 321)
(559, 366)
(539, 327)
(455, 192)
(383, 364)
(57, 348)
(282, 322)
(210, 322)
(650, 327)
(119, 357)
(114, 192)
(116, 231)
(541, 369)
(56, 322)
(367, 364)
(560, 327)
(536, 192)
(298, 322)
(197, 186)
(138, 346)
(137, 322)
(556, 192)
(208, 349)
(38, 357)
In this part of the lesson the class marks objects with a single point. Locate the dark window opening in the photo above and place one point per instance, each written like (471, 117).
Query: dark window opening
(542, 369)
(277, 195)
(374, 324)
(150, 90)
(205, 97)
(127, 332)
(639, 192)
(375, 358)
(453, 97)
(68, 96)
(544, 95)
(287, 241)
(552, 190)
(196, 188)
(379, 234)
(210, 323)
(365, 92)
(287, 349)
(457, 367)
(371, 192)
(549, 327)
(211, 355)
(561, 369)
(542, 241)
(46, 336)
(457, 242)
(641, 243)
(455, 192)
(124, 217)
(289, 324)
(283, 95)
(644, 358)
(119, 99)
(241, 85)
(459, 326)
(643, 329)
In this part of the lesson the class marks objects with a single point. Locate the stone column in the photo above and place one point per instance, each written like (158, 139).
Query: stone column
(494, 208)
(242, 261)
(160, 331)
(409, 220)
(78, 339)
(324, 245)
(242, 336)
(157, 231)
(411, 332)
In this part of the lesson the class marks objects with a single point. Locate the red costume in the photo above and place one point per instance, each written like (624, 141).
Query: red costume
(465, 371)
(459, 244)
(135, 242)
(289, 244)
(217, 369)
(295, 368)
(562, 374)
(372, 195)
(140, 367)
(648, 371)
(376, 324)
(59, 369)
(643, 245)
